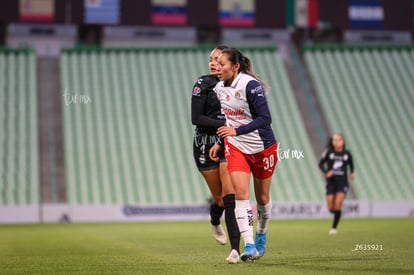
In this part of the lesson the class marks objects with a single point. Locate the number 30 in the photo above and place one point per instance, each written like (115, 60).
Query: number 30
(269, 162)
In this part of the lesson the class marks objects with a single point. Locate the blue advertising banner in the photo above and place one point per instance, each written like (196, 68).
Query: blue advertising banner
(102, 11)
(366, 13)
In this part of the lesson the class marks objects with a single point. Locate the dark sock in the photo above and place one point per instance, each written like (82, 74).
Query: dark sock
(215, 213)
(337, 217)
(231, 222)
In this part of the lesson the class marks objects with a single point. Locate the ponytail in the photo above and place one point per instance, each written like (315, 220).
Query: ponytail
(235, 56)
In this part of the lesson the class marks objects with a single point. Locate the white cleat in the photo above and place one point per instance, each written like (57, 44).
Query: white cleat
(233, 258)
(332, 231)
(218, 234)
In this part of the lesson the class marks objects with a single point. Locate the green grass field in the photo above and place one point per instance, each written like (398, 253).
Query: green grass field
(294, 247)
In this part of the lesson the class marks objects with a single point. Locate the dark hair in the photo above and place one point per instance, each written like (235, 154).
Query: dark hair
(329, 144)
(235, 56)
(221, 47)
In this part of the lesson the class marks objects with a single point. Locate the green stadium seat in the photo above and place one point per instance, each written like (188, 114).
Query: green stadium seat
(133, 142)
(19, 142)
(366, 93)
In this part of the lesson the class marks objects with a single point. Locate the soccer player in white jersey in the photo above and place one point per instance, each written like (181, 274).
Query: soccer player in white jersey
(249, 144)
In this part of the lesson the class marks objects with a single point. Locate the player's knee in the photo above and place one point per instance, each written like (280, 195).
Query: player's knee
(218, 200)
(263, 199)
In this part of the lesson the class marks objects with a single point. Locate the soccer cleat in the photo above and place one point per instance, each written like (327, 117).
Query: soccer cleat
(332, 231)
(250, 253)
(261, 243)
(218, 234)
(234, 257)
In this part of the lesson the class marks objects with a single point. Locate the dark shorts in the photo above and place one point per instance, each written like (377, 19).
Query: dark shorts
(201, 147)
(334, 186)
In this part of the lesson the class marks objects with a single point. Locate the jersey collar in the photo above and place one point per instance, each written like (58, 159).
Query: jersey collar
(236, 80)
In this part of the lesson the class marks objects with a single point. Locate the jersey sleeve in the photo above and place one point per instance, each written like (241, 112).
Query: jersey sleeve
(322, 161)
(351, 162)
(258, 106)
(198, 105)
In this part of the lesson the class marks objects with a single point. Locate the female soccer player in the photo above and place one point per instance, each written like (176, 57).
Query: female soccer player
(250, 145)
(207, 117)
(333, 163)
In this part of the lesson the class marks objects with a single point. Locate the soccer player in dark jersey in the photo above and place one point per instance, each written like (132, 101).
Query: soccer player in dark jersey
(250, 145)
(206, 115)
(334, 164)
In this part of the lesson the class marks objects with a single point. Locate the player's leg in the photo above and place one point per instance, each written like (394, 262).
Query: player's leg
(239, 170)
(263, 168)
(212, 178)
(330, 201)
(339, 198)
(209, 169)
(229, 201)
(244, 214)
(264, 211)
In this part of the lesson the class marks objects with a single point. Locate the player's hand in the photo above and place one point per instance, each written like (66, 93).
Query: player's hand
(225, 131)
(214, 152)
(352, 176)
(329, 174)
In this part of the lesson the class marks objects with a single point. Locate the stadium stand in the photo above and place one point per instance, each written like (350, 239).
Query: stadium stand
(366, 93)
(19, 152)
(128, 133)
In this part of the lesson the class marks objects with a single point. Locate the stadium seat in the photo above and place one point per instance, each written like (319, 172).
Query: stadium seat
(366, 93)
(19, 142)
(133, 142)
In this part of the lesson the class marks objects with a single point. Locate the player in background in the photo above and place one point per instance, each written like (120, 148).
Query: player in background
(334, 163)
(206, 115)
(249, 144)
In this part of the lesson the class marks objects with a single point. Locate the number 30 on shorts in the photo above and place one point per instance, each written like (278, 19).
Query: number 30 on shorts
(269, 162)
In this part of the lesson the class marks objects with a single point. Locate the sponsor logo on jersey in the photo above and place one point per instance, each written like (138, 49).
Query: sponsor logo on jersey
(337, 164)
(235, 114)
(258, 90)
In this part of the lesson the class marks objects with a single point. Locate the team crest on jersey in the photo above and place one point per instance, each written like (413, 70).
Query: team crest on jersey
(196, 91)
(331, 156)
(345, 157)
(237, 95)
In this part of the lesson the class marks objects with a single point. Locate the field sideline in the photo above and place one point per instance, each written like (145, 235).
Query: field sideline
(294, 247)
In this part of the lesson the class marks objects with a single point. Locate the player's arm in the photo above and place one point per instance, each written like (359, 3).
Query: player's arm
(198, 105)
(351, 162)
(213, 153)
(351, 166)
(323, 164)
(259, 107)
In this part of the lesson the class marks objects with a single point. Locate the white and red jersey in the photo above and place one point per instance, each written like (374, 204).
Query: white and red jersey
(245, 107)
